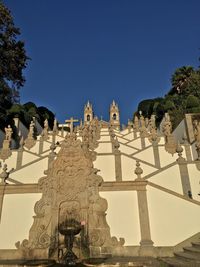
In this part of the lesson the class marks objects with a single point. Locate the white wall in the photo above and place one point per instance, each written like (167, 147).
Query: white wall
(16, 219)
(172, 219)
(122, 216)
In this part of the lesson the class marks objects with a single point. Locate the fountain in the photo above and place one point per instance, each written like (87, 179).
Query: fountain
(69, 229)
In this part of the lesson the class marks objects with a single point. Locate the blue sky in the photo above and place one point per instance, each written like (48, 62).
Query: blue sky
(100, 50)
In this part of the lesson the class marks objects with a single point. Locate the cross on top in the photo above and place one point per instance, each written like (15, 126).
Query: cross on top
(71, 121)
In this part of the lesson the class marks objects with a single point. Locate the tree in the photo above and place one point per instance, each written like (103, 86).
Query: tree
(13, 59)
(180, 78)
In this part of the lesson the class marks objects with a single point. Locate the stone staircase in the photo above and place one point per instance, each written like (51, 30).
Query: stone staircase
(189, 257)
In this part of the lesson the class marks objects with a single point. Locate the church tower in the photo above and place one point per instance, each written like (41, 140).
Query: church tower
(114, 115)
(88, 113)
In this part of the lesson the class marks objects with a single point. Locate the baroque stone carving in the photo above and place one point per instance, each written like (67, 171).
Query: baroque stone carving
(70, 190)
(6, 151)
(45, 130)
(30, 140)
(143, 129)
(170, 144)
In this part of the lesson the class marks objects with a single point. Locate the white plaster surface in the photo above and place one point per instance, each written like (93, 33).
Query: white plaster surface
(28, 157)
(104, 138)
(12, 160)
(104, 148)
(129, 136)
(165, 157)
(121, 139)
(31, 173)
(122, 216)
(106, 165)
(172, 220)
(135, 143)
(126, 149)
(128, 168)
(194, 176)
(16, 218)
(169, 178)
(146, 155)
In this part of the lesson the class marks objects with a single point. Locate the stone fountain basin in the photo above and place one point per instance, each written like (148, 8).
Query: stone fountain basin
(69, 230)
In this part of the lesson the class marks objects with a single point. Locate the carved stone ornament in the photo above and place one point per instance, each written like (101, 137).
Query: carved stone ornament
(170, 144)
(45, 130)
(69, 191)
(5, 151)
(143, 129)
(30, 140)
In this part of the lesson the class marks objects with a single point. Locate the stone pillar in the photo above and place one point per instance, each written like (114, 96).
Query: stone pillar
(156, 154)
(118, 167)
(41, 144)
(2, 189)
(19, 157)
(62, 131)
(188, 152)
(142, 142)
(185, 181)
(146, 244)
(134, 134)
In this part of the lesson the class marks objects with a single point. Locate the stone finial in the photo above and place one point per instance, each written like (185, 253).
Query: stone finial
(4, 175)
(136, 123)
(196, 125)
(143, 129)
(30, 140)
(45, 130)
(55, 126)
(167, 126)
(8, 133)
(138, 170)
(179, 150)
(6, 151)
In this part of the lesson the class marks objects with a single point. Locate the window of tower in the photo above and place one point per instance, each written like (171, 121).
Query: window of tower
(114, 117)
(88, 117)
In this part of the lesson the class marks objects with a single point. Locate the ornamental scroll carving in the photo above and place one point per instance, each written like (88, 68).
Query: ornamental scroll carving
(70, 190)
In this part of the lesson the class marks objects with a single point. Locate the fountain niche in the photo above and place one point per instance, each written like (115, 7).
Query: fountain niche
(70, 193)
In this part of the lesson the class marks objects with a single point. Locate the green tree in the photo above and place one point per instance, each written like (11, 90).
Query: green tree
(13, 59)
(180, 79)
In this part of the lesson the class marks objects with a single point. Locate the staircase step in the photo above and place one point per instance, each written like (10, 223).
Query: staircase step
(178, 262)
(195, 250)
(187, 255)
(196, 244)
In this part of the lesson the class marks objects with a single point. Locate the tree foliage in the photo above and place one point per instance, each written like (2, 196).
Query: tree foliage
(183, 97)
(13, 59)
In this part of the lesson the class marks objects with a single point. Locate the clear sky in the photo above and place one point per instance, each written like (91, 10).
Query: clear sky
(100, 50)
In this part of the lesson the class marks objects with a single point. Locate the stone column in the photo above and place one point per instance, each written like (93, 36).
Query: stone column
(146, 243)
(156, 154)
(144, 219)
(188, 152)
(41, 144)
(142, 142)
(118, 168)
(2, 188)
(185, 181)
(19, 157)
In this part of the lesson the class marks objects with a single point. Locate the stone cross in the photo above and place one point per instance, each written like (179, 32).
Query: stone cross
(71, 121)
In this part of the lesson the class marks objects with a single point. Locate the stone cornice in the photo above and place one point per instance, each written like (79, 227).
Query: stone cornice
(106, 186)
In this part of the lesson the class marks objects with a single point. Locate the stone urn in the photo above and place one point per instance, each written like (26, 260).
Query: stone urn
(69, 228)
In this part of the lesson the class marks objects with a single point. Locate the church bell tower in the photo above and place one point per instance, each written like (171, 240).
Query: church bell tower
(88, 113)
(114, 115)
